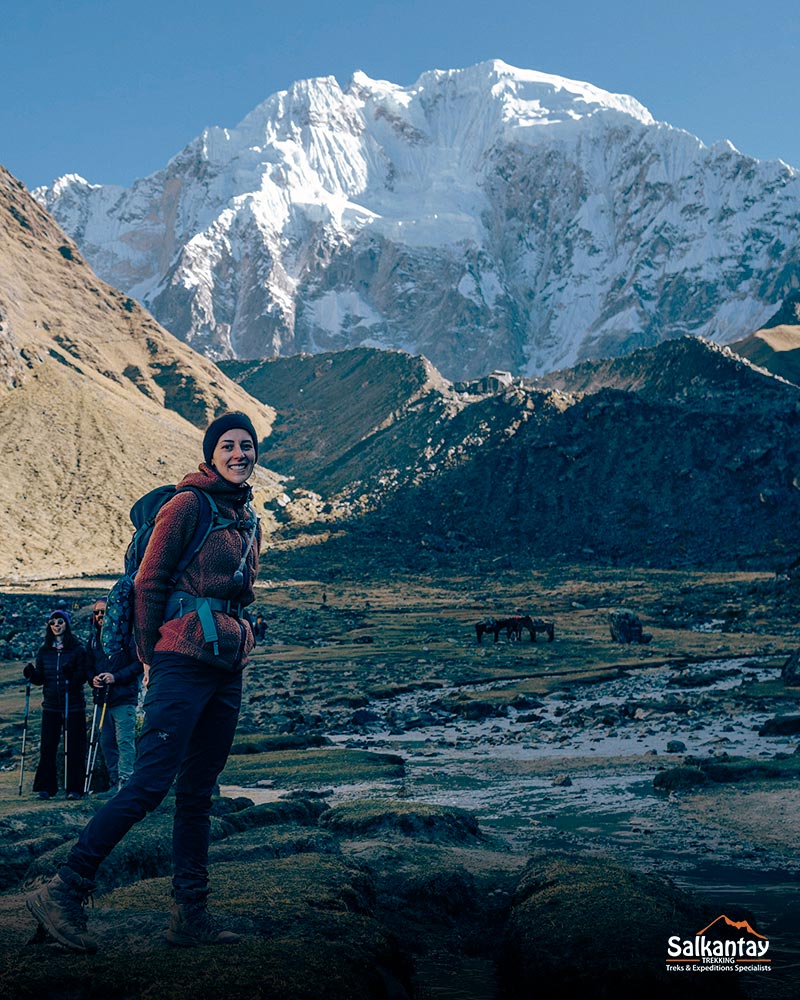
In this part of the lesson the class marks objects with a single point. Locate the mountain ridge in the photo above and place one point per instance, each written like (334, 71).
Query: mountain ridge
(680, 454)
(776, 346)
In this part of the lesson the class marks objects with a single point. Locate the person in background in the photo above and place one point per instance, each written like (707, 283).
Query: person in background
(60, 670)
(118, 682)
(260, 628)
(193, 640)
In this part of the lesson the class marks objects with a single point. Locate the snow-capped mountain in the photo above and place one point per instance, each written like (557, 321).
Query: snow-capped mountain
(489, 217)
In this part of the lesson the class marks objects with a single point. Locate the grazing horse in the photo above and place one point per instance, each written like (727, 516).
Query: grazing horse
(513, 628)
(534, 625)
(488, 625)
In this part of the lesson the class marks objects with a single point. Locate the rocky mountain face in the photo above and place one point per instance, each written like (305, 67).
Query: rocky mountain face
(489, 217)
(647, 468)
(683, 454)
(98, 403)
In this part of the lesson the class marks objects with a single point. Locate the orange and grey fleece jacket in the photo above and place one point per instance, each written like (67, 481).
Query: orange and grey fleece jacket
(209, 574)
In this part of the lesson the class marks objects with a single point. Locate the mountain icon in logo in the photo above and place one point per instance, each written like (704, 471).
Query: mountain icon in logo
(723, 927)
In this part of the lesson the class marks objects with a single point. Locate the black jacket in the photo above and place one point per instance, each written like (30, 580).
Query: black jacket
(61, 672)
(125, 689)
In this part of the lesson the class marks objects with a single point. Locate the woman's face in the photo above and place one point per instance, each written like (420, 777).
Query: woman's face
(57, 626)
(234, 456)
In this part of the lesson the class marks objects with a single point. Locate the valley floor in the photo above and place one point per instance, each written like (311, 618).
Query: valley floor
(377, 691)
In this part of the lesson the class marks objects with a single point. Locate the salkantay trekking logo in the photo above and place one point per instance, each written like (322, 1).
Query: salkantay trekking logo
(725, 945)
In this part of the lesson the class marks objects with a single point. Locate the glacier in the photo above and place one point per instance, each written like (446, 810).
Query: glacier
(487, 217)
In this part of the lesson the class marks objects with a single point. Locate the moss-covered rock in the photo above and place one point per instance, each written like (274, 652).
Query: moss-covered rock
(32, 832)
(420, 820)
(144, 853)
(675, 779)
(590, 928)
(305, 811)
(726, 769)
(309, 931)
(312, 768)
(269, 743)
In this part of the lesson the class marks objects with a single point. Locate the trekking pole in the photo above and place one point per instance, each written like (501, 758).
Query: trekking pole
(24, 734)
(66, 735)
(94, 742)
(88, 776)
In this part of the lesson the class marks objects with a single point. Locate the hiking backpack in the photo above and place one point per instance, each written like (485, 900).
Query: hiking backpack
(116, 636)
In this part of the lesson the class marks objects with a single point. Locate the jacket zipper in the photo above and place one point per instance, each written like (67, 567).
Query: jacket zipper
(61, 699)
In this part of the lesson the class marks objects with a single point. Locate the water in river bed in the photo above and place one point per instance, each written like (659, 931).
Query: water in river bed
(578, 768)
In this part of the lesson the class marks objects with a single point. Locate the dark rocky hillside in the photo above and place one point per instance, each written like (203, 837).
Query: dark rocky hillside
(358, 425)
(680, 455)
(333, 408)
(618, 478)
(688, 371)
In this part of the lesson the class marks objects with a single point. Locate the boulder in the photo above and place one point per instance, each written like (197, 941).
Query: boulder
(781, 725)
(626, 627)
(590, 928)
(422, 821)
(676, 778)
(790, 673)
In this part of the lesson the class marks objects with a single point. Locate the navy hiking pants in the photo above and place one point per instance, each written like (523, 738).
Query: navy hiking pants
(191, 711)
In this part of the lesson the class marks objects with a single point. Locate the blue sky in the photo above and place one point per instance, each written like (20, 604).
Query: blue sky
(112, 90)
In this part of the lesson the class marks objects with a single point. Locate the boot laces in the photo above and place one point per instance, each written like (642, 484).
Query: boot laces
(200, 919)
(73, 901)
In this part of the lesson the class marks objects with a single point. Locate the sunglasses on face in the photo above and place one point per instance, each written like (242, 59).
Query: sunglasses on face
(99, 612)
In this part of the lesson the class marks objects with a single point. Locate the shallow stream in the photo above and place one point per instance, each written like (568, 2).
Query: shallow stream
(578, 768)
(575, 769)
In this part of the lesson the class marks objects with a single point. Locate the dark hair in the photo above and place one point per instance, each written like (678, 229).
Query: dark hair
(69, 638)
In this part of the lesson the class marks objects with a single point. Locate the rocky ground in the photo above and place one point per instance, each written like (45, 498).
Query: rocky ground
(408, 813)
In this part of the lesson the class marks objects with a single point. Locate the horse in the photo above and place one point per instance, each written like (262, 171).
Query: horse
(513, 628)
(488, 625)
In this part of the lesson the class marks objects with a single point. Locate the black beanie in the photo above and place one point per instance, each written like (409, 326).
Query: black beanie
(226, 423)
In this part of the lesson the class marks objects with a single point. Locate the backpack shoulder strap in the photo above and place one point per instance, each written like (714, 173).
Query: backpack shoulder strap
(209, 520)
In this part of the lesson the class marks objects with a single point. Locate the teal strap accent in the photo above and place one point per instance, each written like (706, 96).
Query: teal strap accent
(182, 603)
(210, 634)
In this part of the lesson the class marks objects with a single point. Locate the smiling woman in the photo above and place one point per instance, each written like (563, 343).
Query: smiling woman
(230, 447)
(193, 638)
(61, 671)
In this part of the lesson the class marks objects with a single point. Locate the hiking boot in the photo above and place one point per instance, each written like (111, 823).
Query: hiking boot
(191, 924)
(58, 907)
